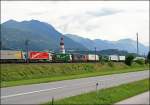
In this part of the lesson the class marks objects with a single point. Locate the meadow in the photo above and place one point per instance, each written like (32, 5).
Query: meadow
(23, 74)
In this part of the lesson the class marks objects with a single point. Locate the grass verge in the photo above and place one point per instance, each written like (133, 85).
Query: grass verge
(107, 96)
(23, 74)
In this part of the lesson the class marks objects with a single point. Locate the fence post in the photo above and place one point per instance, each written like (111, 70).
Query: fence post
(52, 100)
(97, 90)
(96, 86)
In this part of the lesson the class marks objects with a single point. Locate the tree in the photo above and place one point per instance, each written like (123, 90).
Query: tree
(129, 60)
(148, 57)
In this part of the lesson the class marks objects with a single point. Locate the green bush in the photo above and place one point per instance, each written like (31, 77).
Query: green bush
(148, 57)
(140, 61)
(103, 59)
(129, 60)
(110, 64)
(147, 61)
(102, 62)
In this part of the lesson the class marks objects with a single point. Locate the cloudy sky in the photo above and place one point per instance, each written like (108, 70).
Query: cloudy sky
(107, 20)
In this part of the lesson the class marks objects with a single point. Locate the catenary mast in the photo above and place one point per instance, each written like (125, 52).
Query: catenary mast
(137, 44)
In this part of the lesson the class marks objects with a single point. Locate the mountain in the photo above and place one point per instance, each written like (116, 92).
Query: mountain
(41, 36)
(123, 44)
(104, 52)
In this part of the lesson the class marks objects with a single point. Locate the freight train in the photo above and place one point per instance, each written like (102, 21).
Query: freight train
(36, 56)
(10, 56)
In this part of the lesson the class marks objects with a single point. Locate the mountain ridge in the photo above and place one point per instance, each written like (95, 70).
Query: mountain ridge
(41, 35)
(122, 44)
(44, 36)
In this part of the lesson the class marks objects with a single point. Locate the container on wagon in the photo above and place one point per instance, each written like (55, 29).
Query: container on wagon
(113, 57)
(12, 55)
(79, 57)
(60, 57)
(93, 57)
(122, 58)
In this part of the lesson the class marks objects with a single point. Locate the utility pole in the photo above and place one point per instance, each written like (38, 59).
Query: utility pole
(137, 44)
(27, 49)
(95, 54)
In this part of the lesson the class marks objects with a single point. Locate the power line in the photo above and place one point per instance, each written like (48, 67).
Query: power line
(95, 53)
(137, 44)
(27, 49)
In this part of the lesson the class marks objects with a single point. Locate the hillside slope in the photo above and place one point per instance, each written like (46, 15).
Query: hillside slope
(123, 44)
(41, 36)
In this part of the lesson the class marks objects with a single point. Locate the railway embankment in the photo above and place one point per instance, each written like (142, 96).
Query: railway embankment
(33, 73)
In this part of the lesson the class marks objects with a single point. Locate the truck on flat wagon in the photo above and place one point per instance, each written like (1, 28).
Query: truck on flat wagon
(93, 57)
(11, 56)
(113, 57)
(122, 58)
(79, 57)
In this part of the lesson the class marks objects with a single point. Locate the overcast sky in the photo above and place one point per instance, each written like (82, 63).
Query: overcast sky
(107, 20)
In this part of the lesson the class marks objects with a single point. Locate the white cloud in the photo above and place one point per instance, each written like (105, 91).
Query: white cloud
(108, 20)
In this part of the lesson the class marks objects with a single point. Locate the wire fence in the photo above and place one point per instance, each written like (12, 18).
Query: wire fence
(94, 86)
(77, 90)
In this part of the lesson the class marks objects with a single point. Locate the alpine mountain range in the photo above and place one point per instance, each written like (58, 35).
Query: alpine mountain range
(43, 36)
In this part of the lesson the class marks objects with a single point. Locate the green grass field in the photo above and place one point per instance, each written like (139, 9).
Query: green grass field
(23, 74)
(106, 96)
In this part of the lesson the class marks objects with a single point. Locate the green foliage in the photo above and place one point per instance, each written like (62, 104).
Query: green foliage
(110, 64)
(103, 59)
(12, 72)
(148, 56)
(107, 96)
(21, 74)
(129, 60)
(140, 61)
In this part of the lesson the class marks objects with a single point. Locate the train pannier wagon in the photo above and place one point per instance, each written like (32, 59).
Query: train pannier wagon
(60, 57)
(79, 58)
(92, 57)
(11, 56)
(35, 56)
